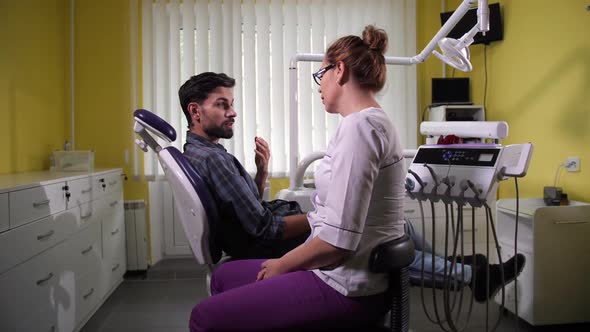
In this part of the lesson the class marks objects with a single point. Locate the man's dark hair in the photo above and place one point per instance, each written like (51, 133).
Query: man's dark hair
(198, 88)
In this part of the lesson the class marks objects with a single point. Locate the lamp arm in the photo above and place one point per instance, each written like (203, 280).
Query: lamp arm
(444, 30)
(483, 16)
(467, 38)
(406, 61)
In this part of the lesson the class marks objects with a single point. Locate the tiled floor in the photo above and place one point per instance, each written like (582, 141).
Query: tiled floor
(162, 301)
(159, 301)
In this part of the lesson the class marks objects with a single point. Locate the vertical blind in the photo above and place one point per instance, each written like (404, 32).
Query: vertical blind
(253, 42)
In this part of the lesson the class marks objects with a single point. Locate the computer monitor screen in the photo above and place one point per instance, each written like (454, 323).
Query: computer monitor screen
(468, 21)
(447, 91)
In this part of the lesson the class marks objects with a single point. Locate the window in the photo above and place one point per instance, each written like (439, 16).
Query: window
(253, 41)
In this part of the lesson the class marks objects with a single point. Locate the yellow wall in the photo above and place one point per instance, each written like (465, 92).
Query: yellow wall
(103, 105)
(35, 84)
(538, 82)
(33, 91)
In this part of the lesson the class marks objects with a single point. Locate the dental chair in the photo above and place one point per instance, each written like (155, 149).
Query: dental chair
(198, 215)
(192, 198)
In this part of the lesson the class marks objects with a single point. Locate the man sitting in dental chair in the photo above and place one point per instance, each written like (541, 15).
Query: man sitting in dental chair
(250, 227)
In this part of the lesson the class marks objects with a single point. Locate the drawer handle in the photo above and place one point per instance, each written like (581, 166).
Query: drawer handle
(112, 183)
(410, 211)
(115, 231)
(113, 203)
(41, 203)
(44, 280)
(115, 267)
(570, 222)
(45, 236)
(86, 216)
(85, 296)
(86, 191)
(87, 250)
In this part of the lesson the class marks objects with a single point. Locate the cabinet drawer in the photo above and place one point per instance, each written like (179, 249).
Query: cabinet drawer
(84, 251)
(113, 234)
(80, 191)
(22, 243)
(3, 212)
(90, 213)
(41, 282)
(88, 295)
(31, 204)
(108, 183)
(114, 182)
(99, 185)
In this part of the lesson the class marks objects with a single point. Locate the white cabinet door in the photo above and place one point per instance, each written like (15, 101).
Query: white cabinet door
(41, 281)
(3, 212)
(84, 251)
(113, 237)
(87, 295)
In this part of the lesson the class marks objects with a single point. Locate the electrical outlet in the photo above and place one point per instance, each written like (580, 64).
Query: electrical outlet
(572, 164)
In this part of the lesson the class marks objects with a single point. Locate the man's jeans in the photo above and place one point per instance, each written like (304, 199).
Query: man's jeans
(439, 262)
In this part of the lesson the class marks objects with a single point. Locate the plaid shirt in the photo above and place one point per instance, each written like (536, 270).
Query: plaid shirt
(235, 192)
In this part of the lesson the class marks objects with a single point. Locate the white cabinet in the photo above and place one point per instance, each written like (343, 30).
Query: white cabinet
(553, 287)
(3, 212)
(59, 234)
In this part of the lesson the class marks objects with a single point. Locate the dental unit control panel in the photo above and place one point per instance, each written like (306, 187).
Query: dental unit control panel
(463, 173)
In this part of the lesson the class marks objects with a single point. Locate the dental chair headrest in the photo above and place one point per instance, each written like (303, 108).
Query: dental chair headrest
(155, 124)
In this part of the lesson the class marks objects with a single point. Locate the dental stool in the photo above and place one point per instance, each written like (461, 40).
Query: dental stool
(193, 201)
(394, 258)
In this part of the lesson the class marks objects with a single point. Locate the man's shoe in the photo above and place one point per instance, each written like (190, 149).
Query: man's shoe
(510, 273)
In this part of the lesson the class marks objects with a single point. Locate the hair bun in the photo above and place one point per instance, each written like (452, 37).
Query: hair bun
(375, 39)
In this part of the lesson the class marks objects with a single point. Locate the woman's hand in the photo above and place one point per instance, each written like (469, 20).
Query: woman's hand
(271, 268)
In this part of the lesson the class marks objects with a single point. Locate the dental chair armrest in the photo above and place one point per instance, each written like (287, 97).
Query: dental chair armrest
(392, 255)
(155, 124)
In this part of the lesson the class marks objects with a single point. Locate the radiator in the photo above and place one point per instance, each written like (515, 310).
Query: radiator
(135, 230)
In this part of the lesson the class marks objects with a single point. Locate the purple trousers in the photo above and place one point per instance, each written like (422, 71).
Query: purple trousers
(294, 301)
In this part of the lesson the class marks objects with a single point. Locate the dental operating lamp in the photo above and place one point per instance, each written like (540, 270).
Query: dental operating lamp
(455, 53)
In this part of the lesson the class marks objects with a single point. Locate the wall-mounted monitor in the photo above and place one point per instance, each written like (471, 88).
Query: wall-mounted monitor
(468, 21)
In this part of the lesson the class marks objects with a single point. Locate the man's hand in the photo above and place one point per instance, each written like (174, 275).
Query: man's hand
(270, 268)
(262, 155)
(261, 158)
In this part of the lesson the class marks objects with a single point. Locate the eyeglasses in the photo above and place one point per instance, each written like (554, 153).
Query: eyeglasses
(317, 76)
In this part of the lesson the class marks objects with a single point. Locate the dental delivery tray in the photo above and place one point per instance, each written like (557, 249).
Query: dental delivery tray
(73, 161)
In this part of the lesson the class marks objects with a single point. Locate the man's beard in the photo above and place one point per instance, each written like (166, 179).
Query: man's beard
(219, 132)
